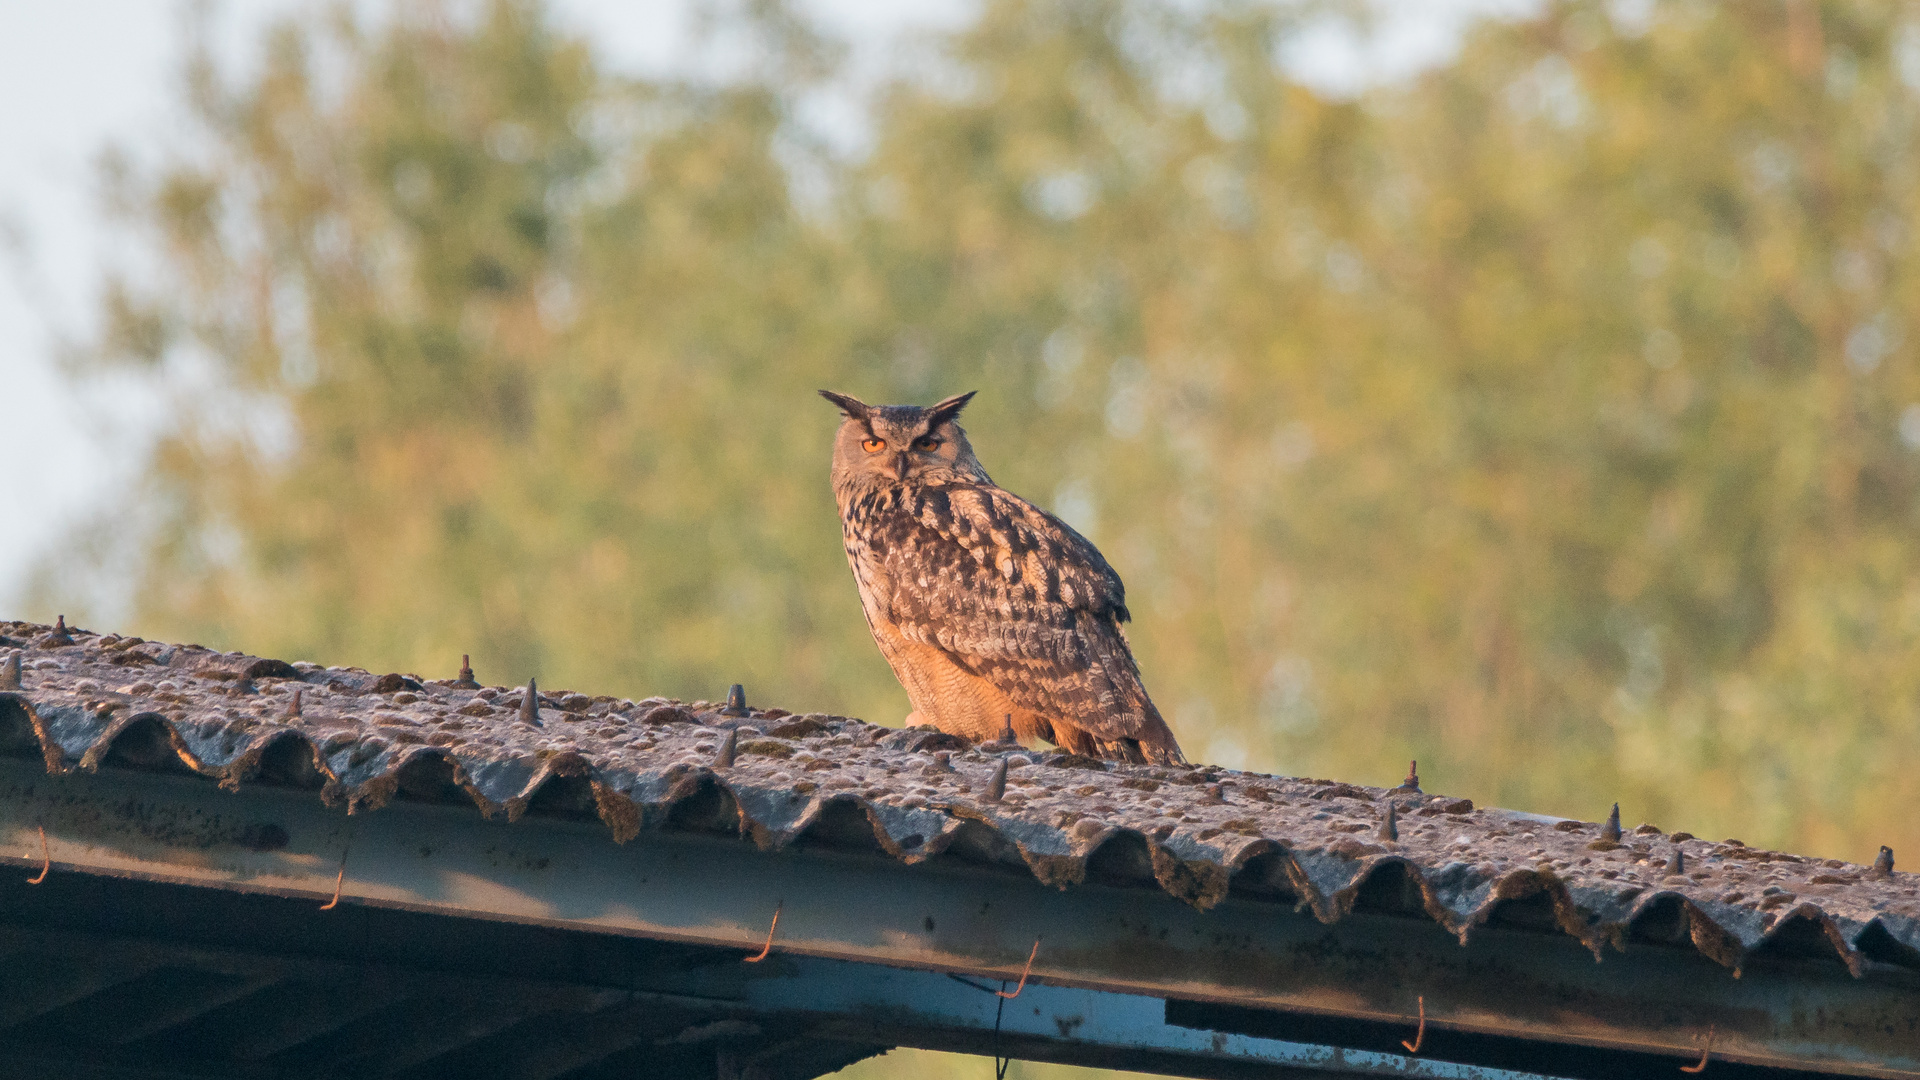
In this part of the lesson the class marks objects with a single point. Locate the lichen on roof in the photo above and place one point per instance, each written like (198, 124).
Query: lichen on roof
(361, 740)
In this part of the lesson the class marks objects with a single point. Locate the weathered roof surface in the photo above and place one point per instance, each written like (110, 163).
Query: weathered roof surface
(364, 739)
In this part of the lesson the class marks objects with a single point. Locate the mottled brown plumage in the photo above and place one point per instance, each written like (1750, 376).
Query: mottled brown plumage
(983, 604)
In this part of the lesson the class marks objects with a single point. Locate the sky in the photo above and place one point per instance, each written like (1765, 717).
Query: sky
(79, 75)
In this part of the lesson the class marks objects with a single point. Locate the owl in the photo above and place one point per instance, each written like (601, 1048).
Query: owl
(986, 606)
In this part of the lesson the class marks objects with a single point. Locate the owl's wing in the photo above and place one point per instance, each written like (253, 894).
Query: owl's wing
(1019, 598)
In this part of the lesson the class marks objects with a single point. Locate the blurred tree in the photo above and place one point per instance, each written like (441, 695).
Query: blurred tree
(1548, 417)
(519, 346)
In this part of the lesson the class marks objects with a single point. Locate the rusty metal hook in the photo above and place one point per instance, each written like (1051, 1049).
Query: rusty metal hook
(1419, 1036)
(1704, 1055)
(338, 881)
(46, 859)
(1028, 970)
(768, 947)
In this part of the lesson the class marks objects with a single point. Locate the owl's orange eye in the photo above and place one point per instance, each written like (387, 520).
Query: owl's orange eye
(873, 446)
(926, 442)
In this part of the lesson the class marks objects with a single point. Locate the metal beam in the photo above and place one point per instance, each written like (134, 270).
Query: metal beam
(316, 1011)
(179, 1008)
(48, 1063)
(837, 1010)
(467, 1022)
(1053, 1023)
(615, 1030)
(948, 916)
(33, 990)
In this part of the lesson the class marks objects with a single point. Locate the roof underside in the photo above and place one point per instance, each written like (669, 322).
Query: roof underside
(1247, 880)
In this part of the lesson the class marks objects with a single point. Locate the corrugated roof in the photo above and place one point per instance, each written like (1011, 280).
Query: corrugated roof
(364, 739)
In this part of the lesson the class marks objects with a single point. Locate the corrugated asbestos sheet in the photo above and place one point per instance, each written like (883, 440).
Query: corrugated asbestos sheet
(360, 738)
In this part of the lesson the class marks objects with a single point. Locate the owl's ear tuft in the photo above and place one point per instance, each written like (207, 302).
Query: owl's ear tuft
(948, 409)
(851, 407)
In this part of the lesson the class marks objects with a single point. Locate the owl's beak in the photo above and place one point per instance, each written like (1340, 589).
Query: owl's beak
(900, 467)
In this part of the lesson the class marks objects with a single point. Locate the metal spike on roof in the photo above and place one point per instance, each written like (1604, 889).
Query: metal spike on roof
(530, 705)
(997, 783)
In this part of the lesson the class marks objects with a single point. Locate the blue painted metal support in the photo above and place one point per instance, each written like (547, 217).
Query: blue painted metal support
(1058, 1024)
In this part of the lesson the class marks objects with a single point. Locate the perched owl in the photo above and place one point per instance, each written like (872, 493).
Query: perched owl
(985, 605)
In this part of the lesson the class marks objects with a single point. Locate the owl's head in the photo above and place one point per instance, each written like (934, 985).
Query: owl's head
(902, 444)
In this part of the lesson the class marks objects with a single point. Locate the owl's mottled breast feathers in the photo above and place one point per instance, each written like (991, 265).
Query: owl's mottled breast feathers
(1014, 595)
(1015, 559)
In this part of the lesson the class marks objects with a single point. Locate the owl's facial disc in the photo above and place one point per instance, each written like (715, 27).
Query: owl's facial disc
(905, 449)
(903, 444)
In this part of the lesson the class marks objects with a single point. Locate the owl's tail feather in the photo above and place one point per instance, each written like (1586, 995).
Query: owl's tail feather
(1140, 752)
(1146, 740)
(1156, 741)
(1167, 753)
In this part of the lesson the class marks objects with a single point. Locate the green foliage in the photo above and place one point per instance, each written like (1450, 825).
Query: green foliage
(927, 1065)
(1539, 418)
